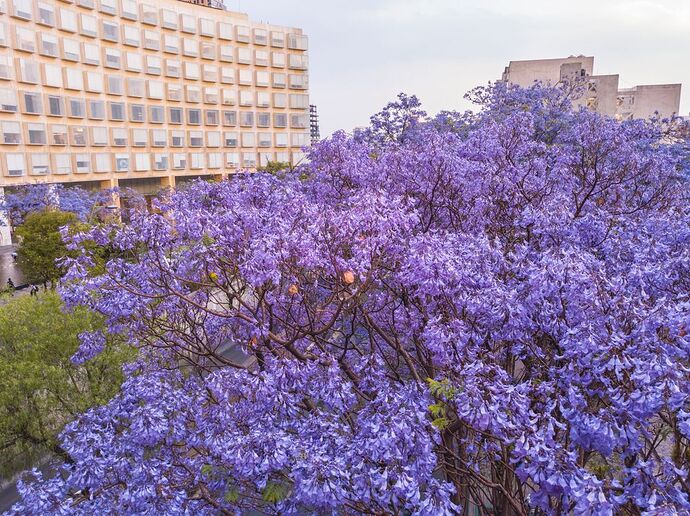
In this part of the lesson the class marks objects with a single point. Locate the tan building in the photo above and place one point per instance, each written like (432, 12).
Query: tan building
(145, 93)
(603, 92)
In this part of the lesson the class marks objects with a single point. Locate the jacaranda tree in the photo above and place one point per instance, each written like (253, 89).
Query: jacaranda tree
(475, 312)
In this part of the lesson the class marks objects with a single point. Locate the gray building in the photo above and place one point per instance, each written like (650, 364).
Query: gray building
(602, 92)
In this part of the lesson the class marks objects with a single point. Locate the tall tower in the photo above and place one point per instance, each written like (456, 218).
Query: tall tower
(314, 124)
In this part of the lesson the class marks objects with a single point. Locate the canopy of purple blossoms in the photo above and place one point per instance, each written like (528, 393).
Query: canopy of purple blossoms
(474, 312)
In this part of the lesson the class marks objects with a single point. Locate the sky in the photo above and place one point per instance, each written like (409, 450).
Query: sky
(362, 53)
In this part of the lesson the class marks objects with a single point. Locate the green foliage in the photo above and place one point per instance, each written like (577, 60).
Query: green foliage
(275, 167)
(444, 392)
(42, 246)
(40, 388)
(275, 492)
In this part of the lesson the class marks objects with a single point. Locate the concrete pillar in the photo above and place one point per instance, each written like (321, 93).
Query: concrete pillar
(109, 184)
(168, 182)
(5, 232)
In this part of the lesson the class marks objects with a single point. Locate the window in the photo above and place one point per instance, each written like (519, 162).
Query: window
(133, 61)
(194, 116)
(244, 56)
(227, 75)
(261, 58)
(298, 82)
(5, 68)
(265, 158)
(149, 14)
(225, 31)
(174, 92)
(103, 163)
(229, 118)
(92, 54)
(129, 10)
(260, 37)
(177, 138)
(108, 6)
(191, 71)
(246, 98)
(11, 133)
(3, 35)
(279, 80)
(68, 20)
(48, 45)
(78, 136)
(278, 39)
(83, 163)
(160, 161)
(226, 53)
(248, 139)
(115, 86)
(232, 159)
(74, 79)
(242, 33)
(112, 58)
(77, 108)
(230, 139)
(299, 121)
(249, 159)
(281, 140)
(63, 164)
(121, 162)
(142, 161)
(96, 110)
(37, 134)
(99, 136)
(152, 40)
(8, 101)
(179, 161)
(279, 120)
(28, 71)
(137, 113)
(172, 68)
(169, 19)
(153, 65)
(210, 73)
(300, 139)
(46, 14)
(211, 117)
(192, 93)
(155, 90)
(130, 35)
(21, 9)
(88, 26)
(297, 42)
(213, 159)
(139, 137)
(52, 75)
(262, 78)
(175, 115)
(208, 50)
(207, 27)
(156, 114)
(117, 111)
(158, 138)
(71, 50)
(190, 48)
(119, 135)
(171, 44)
(16, 165)
(196, 139)
(278, 59)
(298, 62)
(110, 31)
(246, 119)
(188, 23)
(263, 99)
(196, 160)
(32, 103)
(229, 97)
(58, 135)
(135, 87)
(55, 106)
(94, 82)
(211, 95)
(263, 119)
(299, 101)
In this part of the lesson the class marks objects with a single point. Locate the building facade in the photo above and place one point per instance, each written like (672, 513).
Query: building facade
(602, 92)
(106, 93)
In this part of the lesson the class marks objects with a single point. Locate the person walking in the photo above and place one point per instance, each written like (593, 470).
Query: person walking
(10, 286)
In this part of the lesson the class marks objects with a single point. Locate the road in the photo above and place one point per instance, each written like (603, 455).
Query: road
(8, 267)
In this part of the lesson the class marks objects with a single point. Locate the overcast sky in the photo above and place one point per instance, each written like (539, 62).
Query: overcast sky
(363, 52)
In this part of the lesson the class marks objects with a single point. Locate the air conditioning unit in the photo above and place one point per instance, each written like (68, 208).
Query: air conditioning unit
(122, 164)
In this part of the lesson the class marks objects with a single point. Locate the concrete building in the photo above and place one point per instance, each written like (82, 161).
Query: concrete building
(602, 92)
(144, 94)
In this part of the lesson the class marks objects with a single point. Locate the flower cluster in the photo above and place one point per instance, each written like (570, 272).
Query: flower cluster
(478, 310)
